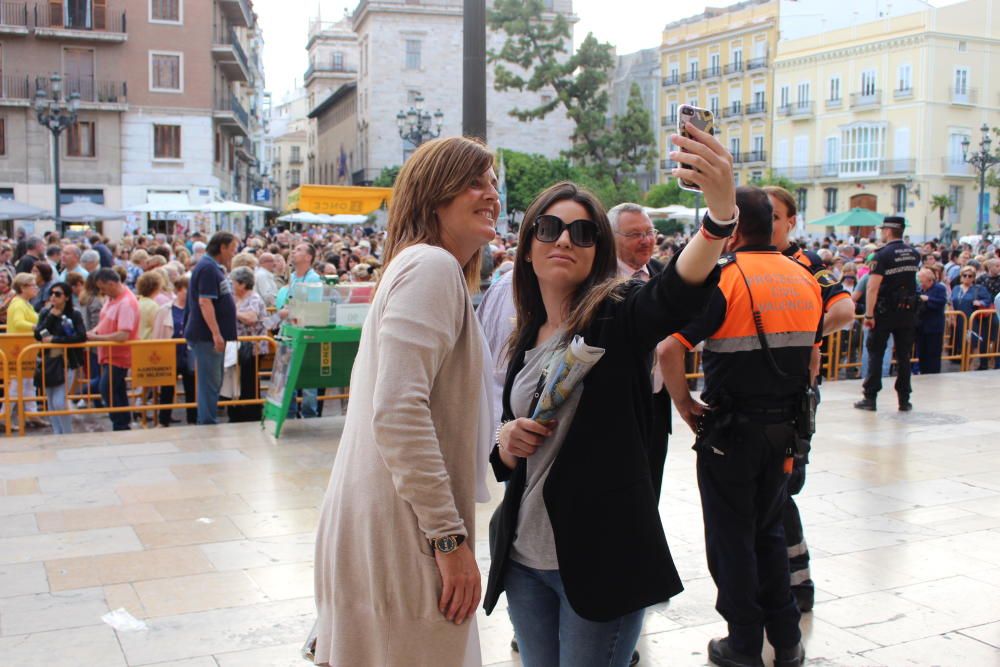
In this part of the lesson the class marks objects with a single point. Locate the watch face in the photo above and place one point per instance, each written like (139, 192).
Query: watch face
(446, 544)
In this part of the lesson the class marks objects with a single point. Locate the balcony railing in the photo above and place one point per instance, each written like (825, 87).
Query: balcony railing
(757, 63)
(669, 121)
(237, 11)
(14, 14)
(89, 89)
(963, 95)
(688, 77)
(80, 17)
(16, 87)
(797, 109)
(756, 108)
(732, 111)
(711, 72)
(328, 67)
(750, 157)
(796, 173)
(734, 68)
(226, 48)
(672, 79)
(228, 102)
(835, 103)
(900, 166)
(955, 166)
(295, 159)
(902, 93)
(866, 99)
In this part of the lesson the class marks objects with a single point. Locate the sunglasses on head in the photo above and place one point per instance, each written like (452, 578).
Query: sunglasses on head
(582, 233)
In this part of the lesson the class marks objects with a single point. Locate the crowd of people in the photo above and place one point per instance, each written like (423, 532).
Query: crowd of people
(71, 290)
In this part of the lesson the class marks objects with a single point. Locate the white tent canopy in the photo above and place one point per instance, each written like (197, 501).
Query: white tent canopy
(230, 207)
(674, 211)
(306, 218)
(13, 210)
(88, 211)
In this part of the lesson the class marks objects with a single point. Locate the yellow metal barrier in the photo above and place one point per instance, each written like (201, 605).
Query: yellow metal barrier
(955, 343)
(42, 395)
(981, 342)
(5, 378)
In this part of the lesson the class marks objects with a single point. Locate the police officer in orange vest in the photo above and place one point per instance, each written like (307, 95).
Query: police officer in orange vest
(838, 313)
(759, 328)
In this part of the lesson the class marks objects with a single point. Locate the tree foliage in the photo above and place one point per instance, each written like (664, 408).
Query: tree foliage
(941, 203)
(528, 174)
(535, 57)
(387, 177)
(668, 194)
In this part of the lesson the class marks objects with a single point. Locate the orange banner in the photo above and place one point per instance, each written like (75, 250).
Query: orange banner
(12, 344)
(154, 365)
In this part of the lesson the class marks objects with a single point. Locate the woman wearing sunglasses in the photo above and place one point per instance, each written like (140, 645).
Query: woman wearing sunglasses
(59, 323)
(577, 544)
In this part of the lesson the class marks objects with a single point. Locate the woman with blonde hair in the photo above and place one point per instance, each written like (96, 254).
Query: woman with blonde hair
(396, 578)
(21, 319)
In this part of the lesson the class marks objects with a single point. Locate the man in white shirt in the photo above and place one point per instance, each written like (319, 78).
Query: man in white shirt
(71, 263)
(264, 283)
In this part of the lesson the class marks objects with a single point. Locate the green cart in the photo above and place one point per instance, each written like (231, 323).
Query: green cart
(308, 357)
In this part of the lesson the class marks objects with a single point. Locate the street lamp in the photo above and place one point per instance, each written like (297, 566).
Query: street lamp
(56, 114)
(417, 125)
(982, 161)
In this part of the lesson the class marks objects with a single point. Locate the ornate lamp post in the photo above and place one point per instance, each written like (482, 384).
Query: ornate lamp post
(56, 114)
(417, 125)
(982, 161)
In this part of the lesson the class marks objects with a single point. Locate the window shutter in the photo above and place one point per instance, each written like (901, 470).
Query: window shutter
(56, 13)
(100, 14)
(3, 136)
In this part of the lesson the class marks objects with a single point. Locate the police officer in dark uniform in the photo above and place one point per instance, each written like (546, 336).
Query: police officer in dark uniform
(760, 328)
(838, 313)
(890, 309)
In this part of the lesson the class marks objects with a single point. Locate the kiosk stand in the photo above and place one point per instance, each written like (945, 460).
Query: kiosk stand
(306, 358)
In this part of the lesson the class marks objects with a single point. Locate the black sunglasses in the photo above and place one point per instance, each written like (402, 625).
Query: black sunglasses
(582, 233)
(56, 293)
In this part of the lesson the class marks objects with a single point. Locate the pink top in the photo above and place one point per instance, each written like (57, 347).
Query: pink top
(121, 314)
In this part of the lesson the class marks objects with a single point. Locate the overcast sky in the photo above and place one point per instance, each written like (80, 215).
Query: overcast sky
(629, 25)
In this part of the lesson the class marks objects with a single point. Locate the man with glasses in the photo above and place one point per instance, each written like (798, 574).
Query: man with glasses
(890, 309)
(635, 239)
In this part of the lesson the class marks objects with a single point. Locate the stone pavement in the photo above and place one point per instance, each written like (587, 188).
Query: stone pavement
(206, 534)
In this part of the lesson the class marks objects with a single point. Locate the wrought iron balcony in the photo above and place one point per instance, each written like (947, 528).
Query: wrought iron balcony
(866, 100)
(672, 79)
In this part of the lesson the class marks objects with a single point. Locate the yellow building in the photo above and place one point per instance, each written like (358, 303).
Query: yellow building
(721, 60)
(874, 115)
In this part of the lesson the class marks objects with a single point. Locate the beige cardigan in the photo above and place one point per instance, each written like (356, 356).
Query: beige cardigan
(405, 472)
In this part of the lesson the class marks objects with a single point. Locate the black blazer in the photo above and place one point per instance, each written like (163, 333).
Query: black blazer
(613, 554)
(660, 426)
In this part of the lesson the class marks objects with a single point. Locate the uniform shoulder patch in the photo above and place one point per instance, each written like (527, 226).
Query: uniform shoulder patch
(726, 259)
(826, 278)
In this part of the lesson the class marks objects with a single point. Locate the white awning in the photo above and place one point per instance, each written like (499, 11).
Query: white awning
(157, 202)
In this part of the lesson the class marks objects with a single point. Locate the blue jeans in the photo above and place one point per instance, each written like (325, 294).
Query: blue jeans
(550, 634)
(57, 401)
(115, 394)
(208, 380)
(309, 408)
(886, 360)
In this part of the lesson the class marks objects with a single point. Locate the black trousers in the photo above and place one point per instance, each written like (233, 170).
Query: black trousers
(743, 496)
(795, 538)
(167, 396)
(929, 352)
(902, 327)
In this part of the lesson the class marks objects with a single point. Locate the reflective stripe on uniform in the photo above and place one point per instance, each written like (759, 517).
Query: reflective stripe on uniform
(798, 578)
(749, 343)
(799, 549)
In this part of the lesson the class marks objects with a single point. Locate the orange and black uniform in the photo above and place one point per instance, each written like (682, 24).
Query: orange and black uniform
(798, 550)
(743, 446)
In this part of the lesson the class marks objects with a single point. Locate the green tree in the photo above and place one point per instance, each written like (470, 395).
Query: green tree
(668, 194)
(943, 203)
(770, 178)
(528, 174)
(387, 177)
(534, 58)
(632, 145)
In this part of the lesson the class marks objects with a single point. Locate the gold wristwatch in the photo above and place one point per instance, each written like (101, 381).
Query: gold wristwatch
(446, 544)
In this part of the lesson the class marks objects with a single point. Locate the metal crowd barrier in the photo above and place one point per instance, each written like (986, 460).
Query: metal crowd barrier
(80, 388)
(965, 341)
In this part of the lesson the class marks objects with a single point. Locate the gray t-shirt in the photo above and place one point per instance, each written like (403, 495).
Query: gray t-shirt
(534, 545)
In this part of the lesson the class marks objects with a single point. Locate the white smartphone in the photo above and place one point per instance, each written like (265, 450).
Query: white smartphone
(704, 120)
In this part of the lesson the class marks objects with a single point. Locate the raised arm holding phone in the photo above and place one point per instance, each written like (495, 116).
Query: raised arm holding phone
(577, 543)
